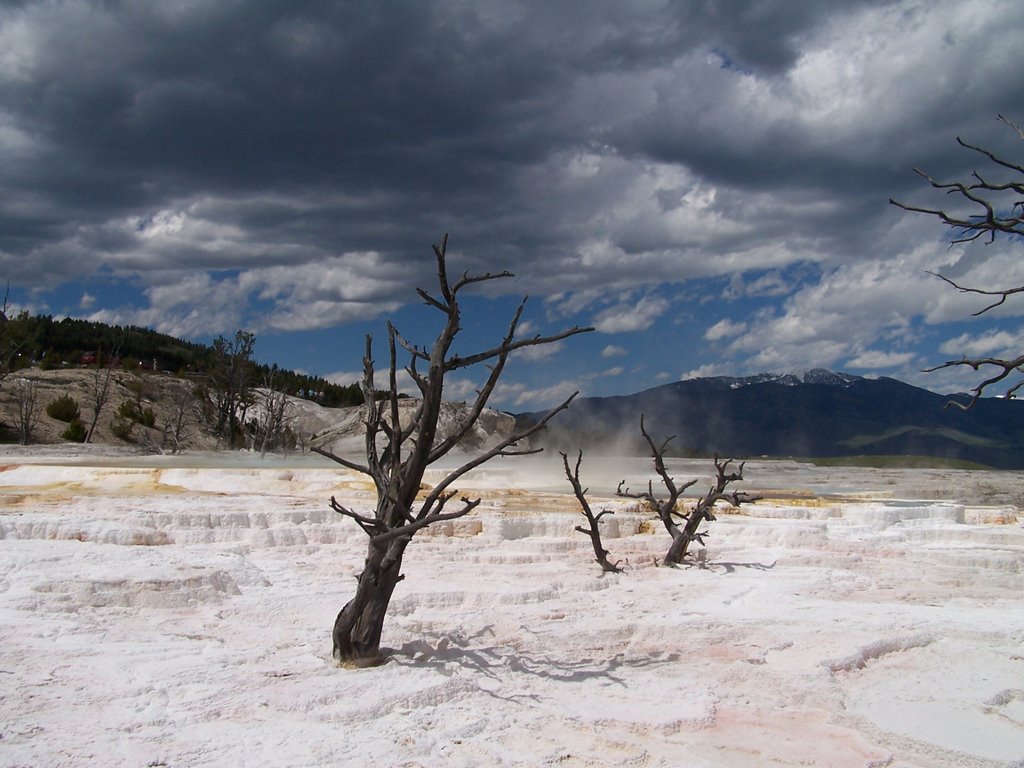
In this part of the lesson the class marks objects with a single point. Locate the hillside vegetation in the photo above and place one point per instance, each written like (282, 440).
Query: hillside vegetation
(84, 381)
(50, 344)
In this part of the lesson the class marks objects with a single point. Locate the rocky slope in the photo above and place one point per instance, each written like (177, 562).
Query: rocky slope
(346, 435)
(337, 429)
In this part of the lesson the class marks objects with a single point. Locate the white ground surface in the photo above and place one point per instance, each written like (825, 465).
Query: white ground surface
(156, 614)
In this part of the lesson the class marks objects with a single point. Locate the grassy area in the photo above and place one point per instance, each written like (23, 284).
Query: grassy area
(896, 462)
(954, 435)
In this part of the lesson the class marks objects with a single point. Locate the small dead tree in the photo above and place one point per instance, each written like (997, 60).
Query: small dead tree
(594, 530)
(668, 509)
(183, 412)
(397, 455)
(27, 397)
(271, 425)
(998, 209)
(100, 392)
(227, 392)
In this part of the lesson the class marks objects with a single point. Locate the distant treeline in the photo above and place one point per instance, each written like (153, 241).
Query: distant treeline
(41, 340)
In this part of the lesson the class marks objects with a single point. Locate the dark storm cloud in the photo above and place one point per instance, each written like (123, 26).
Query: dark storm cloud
(580, 143)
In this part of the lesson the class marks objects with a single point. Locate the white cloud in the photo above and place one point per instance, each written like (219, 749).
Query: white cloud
(539, 352)
(724, 329)
(523, 397)
(842, 315)
(650, 167)
(705, 371)
(873, 358)
(344, 378)
(460, 389)
(525, 329)
(993, 343)
(770, 284)
(634, 316)
(381, 381)
(613, 350)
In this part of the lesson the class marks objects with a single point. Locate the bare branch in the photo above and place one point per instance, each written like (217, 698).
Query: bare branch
(990, 155)
(704, 509)
(658, 454)
(341, 460)
(499, 449)
(983, 194)
(414, 351)
(1000, 206)
(394, 445)
(1003, 294)
(468, 279)
(370, 526)
(431, 300)
(462, 362)
(483, 395)
(442, 270)
(409, 529)
(1013, 125)
(1004, 369)
(594, 531)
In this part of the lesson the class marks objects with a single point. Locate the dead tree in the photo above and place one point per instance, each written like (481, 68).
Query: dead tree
(176, 431)
(397, 455)
(998, 210)
(100, 392)
(668, 509)
(227, 392)
(271, 426)
(27, 397)
(594, 531)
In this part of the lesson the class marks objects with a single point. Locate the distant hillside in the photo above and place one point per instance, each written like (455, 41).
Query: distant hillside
(170, 398)
(815, 414)
(51, 344)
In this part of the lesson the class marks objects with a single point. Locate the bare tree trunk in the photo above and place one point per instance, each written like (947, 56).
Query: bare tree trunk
(175, 428)
(270, 426)
(680, 541)
(100, 391)
(360, 624)
(28, 410)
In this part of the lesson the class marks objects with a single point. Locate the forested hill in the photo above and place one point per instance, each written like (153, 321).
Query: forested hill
(41, 340)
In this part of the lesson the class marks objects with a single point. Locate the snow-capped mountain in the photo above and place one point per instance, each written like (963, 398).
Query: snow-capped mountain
(821, 376)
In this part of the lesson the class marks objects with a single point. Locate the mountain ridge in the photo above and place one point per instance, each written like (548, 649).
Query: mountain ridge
(818, 413)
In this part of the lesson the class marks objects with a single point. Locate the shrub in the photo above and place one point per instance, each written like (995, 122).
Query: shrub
(122, 428)
(63, 408)
(129, 409)
(75, 433)
(148, 418)
(50, 361)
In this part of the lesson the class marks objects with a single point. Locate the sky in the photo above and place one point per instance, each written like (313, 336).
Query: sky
(706, 184)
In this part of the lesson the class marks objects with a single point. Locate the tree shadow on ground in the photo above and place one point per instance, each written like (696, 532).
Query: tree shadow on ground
(731, 567)
(490, 660)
